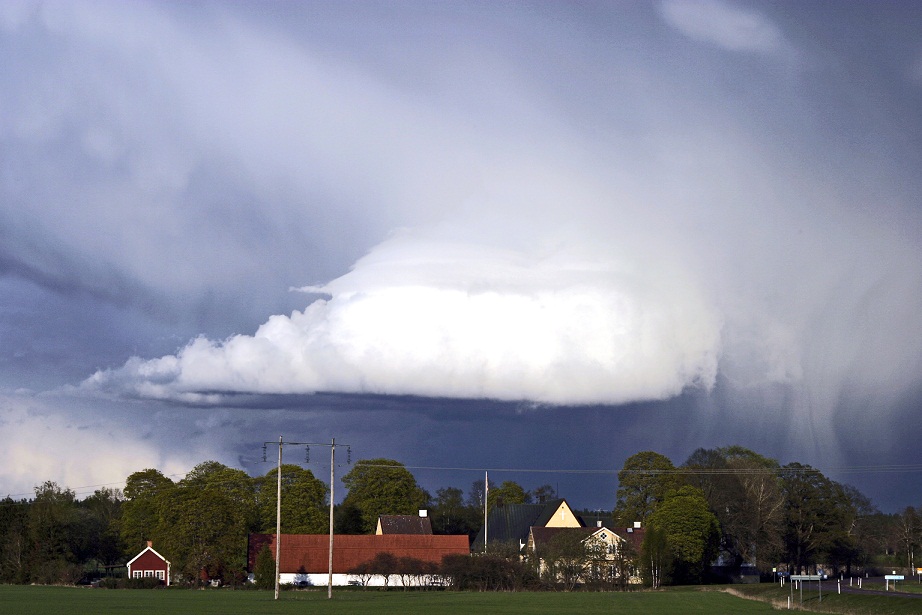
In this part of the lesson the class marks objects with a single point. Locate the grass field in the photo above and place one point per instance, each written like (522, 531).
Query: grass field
(28, 600)
(40, 600)
(832, 602)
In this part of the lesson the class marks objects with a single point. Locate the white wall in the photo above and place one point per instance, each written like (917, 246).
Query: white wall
(319, 579)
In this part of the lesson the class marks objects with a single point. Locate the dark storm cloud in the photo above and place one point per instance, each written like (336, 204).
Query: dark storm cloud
(682, 221)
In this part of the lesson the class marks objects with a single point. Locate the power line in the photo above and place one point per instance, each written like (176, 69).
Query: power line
(865, 469)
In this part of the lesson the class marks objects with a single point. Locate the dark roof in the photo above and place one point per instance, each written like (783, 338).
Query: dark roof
(633, 536)
(405, 524)
(307, 553)
(550, 507)
(543, 535)
(508, 522)
(592, 520)
(511, 522)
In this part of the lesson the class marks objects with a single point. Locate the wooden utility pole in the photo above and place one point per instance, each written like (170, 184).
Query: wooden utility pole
(332, 467)
(278, 523)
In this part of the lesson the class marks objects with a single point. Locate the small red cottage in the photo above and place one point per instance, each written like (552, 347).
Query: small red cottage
(148, 563)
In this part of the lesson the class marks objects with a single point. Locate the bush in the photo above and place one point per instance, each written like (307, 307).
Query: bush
(264, 569)
(487, 573)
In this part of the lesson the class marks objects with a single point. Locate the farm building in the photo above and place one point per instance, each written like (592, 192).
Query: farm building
(149, 564)
(305, 557)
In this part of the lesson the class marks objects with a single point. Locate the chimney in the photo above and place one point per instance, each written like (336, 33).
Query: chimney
(637, 525)
(423, 513)
(150, 544)
(598, 523)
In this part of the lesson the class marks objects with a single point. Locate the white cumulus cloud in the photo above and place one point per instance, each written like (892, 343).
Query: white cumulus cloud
(462, 320)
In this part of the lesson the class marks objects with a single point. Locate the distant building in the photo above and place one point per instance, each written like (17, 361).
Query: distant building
(513, 522)
(305, 557)
(404, 524)
(149, 564)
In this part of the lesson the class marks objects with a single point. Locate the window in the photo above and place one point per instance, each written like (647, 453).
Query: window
(161, 575)
(148, 573)
(137, 574)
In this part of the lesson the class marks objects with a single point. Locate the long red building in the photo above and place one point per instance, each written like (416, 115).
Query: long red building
(305, 557)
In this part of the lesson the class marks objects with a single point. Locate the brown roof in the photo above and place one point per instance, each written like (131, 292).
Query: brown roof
(405, 524)
(633, 535)
(543, 535)
(307, 553)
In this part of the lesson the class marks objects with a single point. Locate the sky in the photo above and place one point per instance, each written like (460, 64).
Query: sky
(533, 238)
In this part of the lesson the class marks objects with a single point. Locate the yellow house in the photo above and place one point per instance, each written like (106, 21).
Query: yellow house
(601, 554)
(508, 523)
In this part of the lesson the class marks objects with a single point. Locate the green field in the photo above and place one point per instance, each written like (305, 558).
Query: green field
(42, 600)
(845, 604)
(26, 600)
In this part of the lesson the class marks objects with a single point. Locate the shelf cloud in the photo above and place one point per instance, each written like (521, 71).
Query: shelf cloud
(703, 209)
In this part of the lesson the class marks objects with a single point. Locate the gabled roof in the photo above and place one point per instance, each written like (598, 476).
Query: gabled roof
(309, 553)
(146, 549)
(404, 524)
(508, 522)
(550, 518)
(512, 522)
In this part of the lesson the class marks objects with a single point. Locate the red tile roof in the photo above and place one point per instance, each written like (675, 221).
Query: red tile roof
(309, 553)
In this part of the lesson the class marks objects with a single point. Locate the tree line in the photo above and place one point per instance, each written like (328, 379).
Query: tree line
(201, 522)
(753, 515)
(730, 504)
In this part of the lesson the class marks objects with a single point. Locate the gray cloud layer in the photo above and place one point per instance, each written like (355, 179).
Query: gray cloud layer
(568, 205)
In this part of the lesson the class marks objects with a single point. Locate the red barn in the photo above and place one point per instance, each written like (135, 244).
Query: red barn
(149, 564)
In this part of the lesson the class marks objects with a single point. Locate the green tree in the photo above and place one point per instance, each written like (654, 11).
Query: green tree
(691, 530)
(99, 521)
(642, 484)
(450, 515)
(14, 544)
(145, 492)
(51, 523)
(850, 530)
(625, 565)
(910, 535)
(510, 492)
(202, 529)
(264, 569)
(235, 484)
(304, 501)
(382, 487)
(206, 522)
(744, 490)
(566, 559)
(544, 493)
(811, 514)
(656, 558)
(476, 495)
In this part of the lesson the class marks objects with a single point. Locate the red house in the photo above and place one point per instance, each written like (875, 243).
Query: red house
(149, 564)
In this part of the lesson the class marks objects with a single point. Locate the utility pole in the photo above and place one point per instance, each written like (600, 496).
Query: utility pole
(278, 523)
(486, 497)
(278, 507)
(332, 466)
